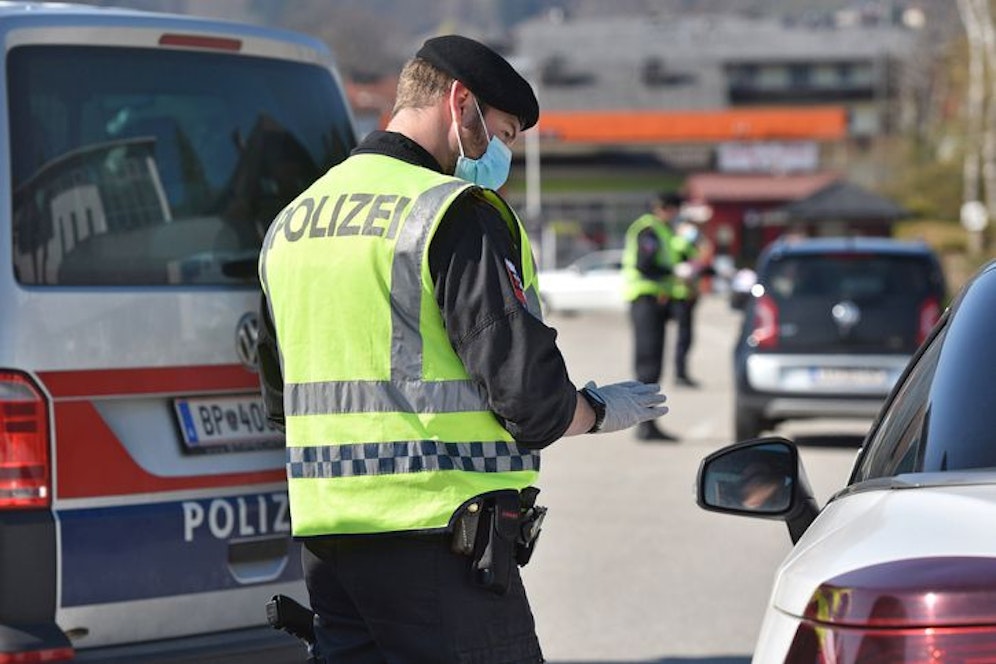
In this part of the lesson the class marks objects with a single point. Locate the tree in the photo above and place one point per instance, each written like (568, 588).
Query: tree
(980, 113)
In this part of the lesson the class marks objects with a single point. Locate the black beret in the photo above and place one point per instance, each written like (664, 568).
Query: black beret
(670, 199)
(485, 72)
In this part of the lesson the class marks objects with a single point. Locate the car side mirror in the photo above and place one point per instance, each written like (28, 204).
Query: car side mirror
(761, 478)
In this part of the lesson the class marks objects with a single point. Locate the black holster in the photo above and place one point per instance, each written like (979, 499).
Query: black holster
(285, 614)
(498, 530)
(531, 523)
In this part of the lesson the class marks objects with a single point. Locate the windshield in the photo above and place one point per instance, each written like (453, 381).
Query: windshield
(159, 167)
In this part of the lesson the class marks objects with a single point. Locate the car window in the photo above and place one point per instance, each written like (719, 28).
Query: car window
(897, 441)
(962, 417)
(849, 276)
(145, 167)
(942, 417)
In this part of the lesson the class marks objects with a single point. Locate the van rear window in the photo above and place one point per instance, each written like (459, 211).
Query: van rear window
(160, 167)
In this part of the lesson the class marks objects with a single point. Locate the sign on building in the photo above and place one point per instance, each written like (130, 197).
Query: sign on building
(767, 157)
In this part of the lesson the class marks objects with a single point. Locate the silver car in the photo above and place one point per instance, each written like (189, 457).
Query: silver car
(143, 499)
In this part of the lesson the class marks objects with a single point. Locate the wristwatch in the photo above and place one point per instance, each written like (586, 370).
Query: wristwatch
(597, 404)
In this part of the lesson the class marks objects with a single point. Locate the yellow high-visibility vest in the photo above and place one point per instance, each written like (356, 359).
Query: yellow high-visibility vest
(385, 430)
(682, 250)
(635, 283)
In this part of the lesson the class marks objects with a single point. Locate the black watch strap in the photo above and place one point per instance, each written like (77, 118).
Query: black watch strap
(597, 404)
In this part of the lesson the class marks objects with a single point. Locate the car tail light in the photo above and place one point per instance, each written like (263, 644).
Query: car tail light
(35, 656)
(921, 611)
(765, 332)
(928, 314)
(24, 458)
(201, 41)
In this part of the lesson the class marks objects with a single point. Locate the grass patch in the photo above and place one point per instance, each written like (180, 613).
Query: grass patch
(943, 236)
(951, 242)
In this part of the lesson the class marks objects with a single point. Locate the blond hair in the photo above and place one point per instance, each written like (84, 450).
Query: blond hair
(420, 84)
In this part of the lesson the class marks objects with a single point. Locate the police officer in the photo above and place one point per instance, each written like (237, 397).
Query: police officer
(402, 348)
(683, 294)
(647, 282)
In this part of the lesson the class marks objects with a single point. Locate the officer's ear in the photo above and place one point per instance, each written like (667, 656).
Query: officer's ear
(463, 103)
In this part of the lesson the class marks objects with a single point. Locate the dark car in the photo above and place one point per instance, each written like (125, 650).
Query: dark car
(899, 565)
(830, 326)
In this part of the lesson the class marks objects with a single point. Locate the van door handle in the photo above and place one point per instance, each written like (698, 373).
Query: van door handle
(259, 559)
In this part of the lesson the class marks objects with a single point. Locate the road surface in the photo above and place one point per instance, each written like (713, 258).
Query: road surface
(628, 568)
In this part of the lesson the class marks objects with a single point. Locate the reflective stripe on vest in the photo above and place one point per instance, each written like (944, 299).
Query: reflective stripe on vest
(406, 457)
(635, 283)
(394, 452)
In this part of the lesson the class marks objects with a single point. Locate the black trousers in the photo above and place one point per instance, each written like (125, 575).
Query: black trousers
(404, 599)
(681, 312)
(649, 318)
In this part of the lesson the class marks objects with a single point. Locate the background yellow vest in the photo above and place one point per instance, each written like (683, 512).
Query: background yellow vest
(635, 283)
(683, 250)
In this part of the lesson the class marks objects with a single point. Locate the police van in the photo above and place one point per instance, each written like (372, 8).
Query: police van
(143, 505)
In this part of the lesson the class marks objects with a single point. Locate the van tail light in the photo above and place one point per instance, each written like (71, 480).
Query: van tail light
(927, 315)
(33, 656)
(25, 472)
(765, 332)
(920, 611)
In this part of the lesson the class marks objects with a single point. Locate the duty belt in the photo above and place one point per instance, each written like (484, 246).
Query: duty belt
(495, 529)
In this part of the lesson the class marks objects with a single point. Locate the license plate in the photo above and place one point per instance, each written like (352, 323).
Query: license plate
(218, 424)
(849, 377)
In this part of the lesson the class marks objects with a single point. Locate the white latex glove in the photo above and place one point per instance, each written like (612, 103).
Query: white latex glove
(628, 403)
(684, 270)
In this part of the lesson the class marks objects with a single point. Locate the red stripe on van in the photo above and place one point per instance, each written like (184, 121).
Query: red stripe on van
(102, 467)
(149, 380)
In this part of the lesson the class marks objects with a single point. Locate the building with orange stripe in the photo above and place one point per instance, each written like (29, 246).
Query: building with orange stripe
(752, 100)
(650, 127)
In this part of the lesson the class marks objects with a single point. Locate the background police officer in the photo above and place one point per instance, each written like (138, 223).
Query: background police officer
(684, 293)
(648, 263)
(403, 350)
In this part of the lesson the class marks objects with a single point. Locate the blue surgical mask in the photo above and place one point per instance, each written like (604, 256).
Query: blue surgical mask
(490, 170)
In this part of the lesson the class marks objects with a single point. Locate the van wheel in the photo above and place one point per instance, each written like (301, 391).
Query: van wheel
(748, 424)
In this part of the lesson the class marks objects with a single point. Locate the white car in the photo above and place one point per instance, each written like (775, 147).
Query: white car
(593, 282)
(900, 565)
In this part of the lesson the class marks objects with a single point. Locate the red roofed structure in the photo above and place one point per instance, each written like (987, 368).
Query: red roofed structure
(739, 201)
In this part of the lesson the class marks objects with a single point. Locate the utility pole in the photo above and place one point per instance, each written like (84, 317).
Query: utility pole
(989, 139)
(534, 197)
(974, 101)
